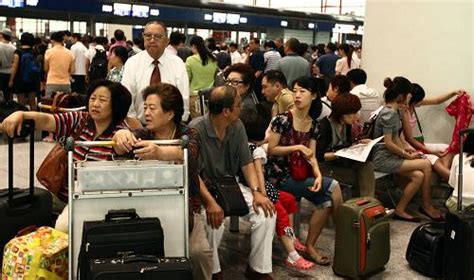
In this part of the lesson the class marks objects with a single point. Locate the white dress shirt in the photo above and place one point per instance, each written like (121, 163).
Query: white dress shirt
(79, 52)
(137, 74)
(236, 57)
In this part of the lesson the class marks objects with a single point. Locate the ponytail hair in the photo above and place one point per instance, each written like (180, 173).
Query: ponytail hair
(399, 86)
(204, 53)
(348, 51)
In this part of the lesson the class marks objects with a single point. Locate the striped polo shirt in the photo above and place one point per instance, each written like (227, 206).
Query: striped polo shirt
(66, 123)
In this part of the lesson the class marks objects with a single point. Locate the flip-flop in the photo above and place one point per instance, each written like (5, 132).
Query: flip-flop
(299, 246)
(320, 260)
(300, 264)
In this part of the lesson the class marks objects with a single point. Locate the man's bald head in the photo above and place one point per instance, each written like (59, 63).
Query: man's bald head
(220, 98)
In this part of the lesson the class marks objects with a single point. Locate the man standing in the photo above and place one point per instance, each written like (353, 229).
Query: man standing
(58, 66)
(176, 40)
(6, 57)
(223, 151)
(370, 99)
(275, 90)
(79, 76)
(279, 46)
(257, 62)
(235, 56)
(153, 66)
(292, 65)
(223, 58)
(327, 63)
(120, 40)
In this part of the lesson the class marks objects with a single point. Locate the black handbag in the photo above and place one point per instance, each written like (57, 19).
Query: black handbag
(426, 249)
(228, 195)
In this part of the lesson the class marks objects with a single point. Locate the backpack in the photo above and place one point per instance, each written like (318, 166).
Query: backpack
(98, 67)
(30, 68)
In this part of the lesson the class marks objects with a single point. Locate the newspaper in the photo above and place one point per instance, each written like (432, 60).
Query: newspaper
(358, 152)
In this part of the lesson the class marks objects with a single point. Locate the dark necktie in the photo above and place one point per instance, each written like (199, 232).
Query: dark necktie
(155, 76)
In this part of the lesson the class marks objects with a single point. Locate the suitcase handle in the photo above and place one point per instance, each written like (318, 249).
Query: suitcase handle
(140, 258)
(121, 214)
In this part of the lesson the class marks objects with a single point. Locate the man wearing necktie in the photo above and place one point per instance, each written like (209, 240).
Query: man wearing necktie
(153, 66)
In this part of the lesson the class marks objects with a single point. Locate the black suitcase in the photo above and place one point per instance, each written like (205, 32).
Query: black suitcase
(459, 232)
(426, 249)
(141, 267)
(122, 233)
(20, 208)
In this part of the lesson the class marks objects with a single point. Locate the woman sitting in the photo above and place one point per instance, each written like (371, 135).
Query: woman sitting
(292, 144)
(335, 133)
(412, 138)
(392, 157)
(163, 114)
(107, 107)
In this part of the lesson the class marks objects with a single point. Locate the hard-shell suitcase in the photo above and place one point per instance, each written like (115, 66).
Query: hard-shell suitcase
(40, 254)
(425, 250)
(122, 232)
(141, 268)
(362, 244)
(20, 208)
(459, 232)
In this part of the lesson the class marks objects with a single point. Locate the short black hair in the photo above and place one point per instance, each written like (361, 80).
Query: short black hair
(121, 52)
(274, 76)
(293, 44)
(269, 44)
(331, 46)
(176, 38)
(119, 35)
(233, 45)
(27, 39)
(58, 36)
(357, 76)
(255, 122)
(218, 102)
(342, 83)
(120, 97)
(77, 36)
(255, 40)
(66, 33)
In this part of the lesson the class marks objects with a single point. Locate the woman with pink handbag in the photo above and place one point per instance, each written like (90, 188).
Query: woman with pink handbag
(292, 144)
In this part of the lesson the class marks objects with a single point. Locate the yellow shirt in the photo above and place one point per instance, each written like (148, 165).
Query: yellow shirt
(283, 102)
(60, 60)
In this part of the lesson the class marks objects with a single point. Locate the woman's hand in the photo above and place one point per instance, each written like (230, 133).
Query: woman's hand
(146, 150)
(409, 150)
(364, 141)
(318, 181)
(124, 140)
(307, 152)
(13, 124)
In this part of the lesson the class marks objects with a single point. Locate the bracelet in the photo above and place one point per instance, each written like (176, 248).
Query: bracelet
(256, 190)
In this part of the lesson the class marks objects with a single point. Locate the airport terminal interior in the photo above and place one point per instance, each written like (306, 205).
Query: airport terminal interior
(236, 139)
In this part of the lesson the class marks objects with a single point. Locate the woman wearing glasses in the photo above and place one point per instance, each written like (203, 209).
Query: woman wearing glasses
(202, 69)
(241, 77)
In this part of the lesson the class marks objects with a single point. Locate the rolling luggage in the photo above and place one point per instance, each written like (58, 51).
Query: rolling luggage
(121, 233)
(20, 208)
(459, 232)
(362, 244)
(141, 267)
(426, 249)
(40, 254)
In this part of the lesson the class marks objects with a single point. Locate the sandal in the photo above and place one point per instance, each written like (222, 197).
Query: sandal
(301, 264)
(299, 246)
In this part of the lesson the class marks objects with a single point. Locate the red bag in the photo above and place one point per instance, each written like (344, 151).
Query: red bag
(300, 169)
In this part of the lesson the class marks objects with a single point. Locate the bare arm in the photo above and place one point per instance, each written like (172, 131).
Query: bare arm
(260, 174)
(408, 133)
(440, 98)
(15, 63)
(72, 67)
(12, 124)
(276, 150)
(312, 159)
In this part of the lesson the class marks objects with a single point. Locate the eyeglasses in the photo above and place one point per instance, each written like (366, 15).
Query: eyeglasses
(234, 82)
(149, 36)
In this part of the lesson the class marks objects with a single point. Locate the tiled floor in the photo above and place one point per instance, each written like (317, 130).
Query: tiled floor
(235, 246)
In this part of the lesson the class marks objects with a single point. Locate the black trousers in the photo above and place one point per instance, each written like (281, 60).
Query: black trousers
(4, 79)
(78, 84)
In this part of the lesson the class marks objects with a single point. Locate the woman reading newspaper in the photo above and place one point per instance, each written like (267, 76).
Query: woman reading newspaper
(335, 131)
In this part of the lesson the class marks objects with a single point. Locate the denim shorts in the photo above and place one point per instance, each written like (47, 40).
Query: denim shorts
(320, 199)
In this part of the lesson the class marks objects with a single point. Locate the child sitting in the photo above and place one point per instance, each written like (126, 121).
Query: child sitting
(285, 203)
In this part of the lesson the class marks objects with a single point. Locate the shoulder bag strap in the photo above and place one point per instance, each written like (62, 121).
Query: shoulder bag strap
(418, 121)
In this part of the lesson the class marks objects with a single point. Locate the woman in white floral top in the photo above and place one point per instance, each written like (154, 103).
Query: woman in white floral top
(117, 59)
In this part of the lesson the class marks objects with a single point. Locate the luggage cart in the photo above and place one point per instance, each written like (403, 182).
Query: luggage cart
(154, 188)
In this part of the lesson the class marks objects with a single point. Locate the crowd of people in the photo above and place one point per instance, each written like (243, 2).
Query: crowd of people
(276, 117)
